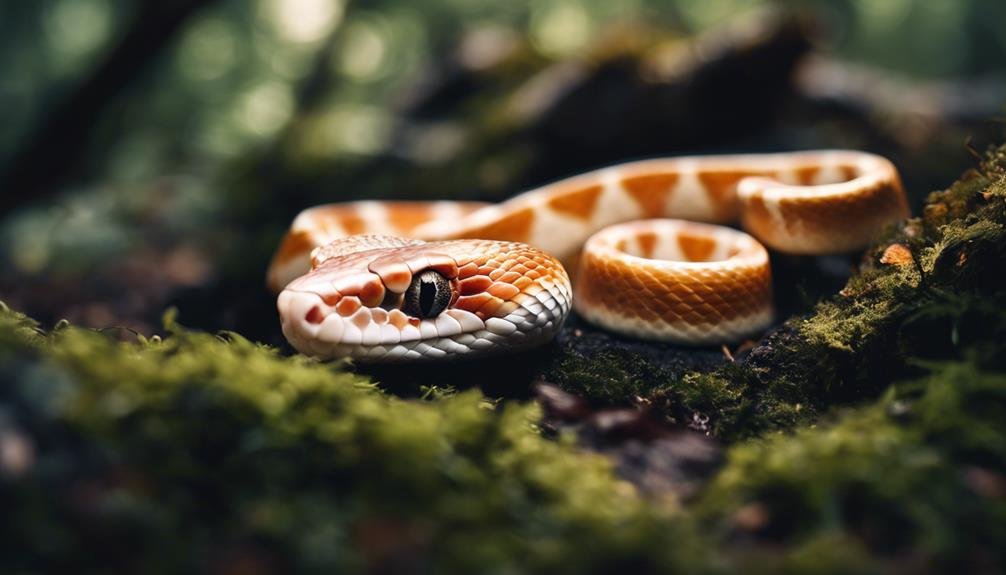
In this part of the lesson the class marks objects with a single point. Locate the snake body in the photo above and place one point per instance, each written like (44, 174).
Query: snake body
(393, 281)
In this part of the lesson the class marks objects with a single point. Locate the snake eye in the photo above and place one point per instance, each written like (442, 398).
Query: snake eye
(427, 295)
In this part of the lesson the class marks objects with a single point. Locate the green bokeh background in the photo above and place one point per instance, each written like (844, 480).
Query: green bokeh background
(227, 85)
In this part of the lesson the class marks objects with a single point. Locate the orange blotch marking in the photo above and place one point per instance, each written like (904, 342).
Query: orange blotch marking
(647, 243)
(347, 306)
(326, 220)
(353, 223)
(651, 191)
(406, 218)
(848, 172)
(722, 188)
(807, 174)
(695, 247)
(295, 244)
(474, 285)
(721, 184)
(399, 320)
(515, 227)
(578, 203)
(757, 210)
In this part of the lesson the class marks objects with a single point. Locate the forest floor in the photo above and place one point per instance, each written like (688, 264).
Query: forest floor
(867, 434)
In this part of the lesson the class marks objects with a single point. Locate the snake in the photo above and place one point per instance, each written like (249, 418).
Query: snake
(650, 248)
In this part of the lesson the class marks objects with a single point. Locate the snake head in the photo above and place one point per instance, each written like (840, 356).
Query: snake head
(393, 299)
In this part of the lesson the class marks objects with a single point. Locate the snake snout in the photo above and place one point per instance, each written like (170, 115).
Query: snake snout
(302, 314)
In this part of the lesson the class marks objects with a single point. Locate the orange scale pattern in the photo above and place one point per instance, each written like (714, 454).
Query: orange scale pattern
(675, 296)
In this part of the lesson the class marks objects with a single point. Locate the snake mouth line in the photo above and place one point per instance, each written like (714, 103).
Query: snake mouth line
(313, 326)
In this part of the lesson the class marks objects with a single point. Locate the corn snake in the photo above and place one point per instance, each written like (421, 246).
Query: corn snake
(400, 281)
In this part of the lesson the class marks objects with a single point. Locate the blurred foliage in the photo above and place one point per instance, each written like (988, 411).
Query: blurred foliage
(230, 79)
(323, 81)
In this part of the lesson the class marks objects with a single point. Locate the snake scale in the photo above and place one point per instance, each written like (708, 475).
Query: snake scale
(406, 281)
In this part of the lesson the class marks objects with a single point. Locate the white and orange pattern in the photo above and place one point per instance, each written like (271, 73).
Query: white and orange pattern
(644, 277)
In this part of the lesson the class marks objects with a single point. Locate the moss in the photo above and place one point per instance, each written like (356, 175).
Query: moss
(17, 328)
(198, 448)
(198, 451)
(917, 477)
(721, 401)
(732, 399)
(609, 376)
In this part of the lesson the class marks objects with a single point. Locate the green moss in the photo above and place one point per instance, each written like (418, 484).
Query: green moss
(720, 402)
(916, 476)
(199, 450)
(196, 447)
(732, 399)
(609, 376)
(17, 328)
